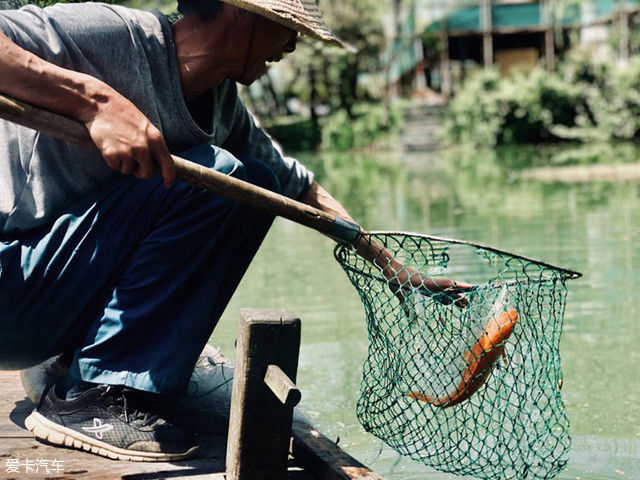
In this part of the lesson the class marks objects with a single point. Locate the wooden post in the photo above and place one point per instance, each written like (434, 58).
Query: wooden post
(624, 36)
(260, 423)
(420, 80)
(445, 67)
(282, 386)
(549, 48)
(487, 35)
(549, 37)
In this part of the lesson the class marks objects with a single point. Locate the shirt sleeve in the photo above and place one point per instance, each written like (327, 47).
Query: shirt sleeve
(87, 38)
(246, 138)
(27, 29)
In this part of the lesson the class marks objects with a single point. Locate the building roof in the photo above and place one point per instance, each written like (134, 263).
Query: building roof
(529, 14)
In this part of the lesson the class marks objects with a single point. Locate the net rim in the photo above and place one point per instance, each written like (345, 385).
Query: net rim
(568, 273)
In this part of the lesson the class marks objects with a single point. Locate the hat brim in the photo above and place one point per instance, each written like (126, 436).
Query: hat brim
(307, 22)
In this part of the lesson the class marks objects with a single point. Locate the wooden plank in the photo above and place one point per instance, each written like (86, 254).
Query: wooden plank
(209, 397)
(259, 424)
(323, 458)
(88, 466)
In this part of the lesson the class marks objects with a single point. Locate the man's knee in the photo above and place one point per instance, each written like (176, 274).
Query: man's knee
(217, 159)
(249, 169)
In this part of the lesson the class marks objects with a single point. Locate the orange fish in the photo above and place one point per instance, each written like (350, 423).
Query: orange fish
(480, 361)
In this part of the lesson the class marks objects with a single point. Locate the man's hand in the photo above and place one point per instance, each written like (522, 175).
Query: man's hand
(443, 290)
(126, 138)
(403, 280)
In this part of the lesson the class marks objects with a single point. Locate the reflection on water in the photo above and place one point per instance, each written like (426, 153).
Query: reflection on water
(479, 196)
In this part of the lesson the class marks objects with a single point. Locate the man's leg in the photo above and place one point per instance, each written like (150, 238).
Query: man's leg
(166, 293)
(254, 230)
(173, 291)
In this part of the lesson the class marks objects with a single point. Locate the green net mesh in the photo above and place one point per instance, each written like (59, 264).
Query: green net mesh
(472, 390)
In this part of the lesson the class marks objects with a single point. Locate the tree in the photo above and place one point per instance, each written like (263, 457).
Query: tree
(330, 76)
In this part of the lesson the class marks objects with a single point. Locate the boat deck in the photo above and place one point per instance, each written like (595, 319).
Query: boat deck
(25, 457)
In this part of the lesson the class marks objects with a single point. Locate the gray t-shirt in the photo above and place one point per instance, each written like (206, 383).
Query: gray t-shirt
(133, 52)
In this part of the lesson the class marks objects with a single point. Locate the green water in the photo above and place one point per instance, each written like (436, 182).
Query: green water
(591, 227)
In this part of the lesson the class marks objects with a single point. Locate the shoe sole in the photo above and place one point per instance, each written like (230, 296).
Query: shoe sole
(45, 429)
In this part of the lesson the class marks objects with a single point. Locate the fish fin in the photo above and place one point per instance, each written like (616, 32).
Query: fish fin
(504, 357)
(423, 397)
(417, 396)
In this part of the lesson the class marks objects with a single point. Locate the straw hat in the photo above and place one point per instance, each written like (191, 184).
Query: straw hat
(300, 15)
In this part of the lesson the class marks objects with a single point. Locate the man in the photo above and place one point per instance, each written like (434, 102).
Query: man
(132, 274)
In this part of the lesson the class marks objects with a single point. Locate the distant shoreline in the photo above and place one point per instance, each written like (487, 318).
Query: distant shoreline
(627, 173)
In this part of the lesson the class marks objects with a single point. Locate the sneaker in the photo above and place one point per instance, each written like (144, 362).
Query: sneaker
(108, 421)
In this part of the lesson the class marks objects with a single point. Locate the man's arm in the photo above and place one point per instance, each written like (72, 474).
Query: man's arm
(394, 271)
(125, 137)
(246, 138)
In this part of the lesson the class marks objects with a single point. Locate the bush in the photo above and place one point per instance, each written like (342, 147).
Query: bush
(340, 133)
(583, 101)
(295, 134)
(611, 102)
(490, 110)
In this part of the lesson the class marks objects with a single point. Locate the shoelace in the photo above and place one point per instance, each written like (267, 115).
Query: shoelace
(119, 395)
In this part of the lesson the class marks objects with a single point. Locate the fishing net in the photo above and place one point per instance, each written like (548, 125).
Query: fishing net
(472, 390)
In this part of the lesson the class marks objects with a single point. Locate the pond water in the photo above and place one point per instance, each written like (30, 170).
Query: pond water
(592, 227)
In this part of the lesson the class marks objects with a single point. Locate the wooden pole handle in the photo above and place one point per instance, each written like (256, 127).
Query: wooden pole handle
(65, 128)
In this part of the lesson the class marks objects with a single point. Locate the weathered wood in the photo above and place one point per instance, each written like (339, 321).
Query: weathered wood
(445, 64)
(282, 386)
(549, 49)
(323, 458)
(487, 37)
(549, 37)
(259, 424)
(623, 46)
(17, 443)
(209, 398)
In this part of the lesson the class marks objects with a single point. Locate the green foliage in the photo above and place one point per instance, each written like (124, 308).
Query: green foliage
(338, 132)
(295, 134)
(490, 110)
(582, 101)
(370, 123)
(611, 100)
(474, 114)
(321, 75)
